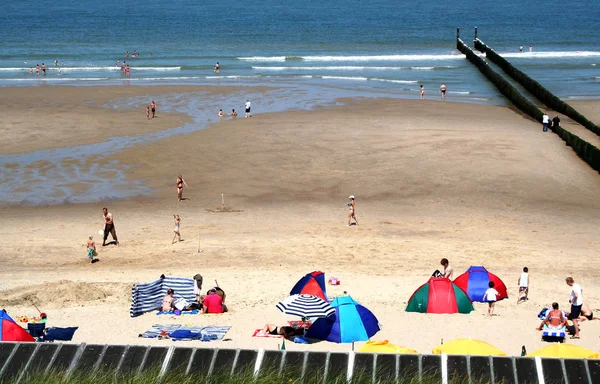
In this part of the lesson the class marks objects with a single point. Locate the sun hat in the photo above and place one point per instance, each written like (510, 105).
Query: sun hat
(351, 197)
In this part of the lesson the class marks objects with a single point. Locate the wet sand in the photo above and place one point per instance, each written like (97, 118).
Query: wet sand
(479, 185)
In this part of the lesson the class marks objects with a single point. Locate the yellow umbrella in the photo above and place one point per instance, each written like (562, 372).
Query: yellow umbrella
(468, 347)
(565, 351)
(384, 347)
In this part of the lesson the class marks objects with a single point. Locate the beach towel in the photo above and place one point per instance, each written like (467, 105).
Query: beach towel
(207, 333)
(148, 297)
(553, 332)
(262, 333)
(56, 333)
(194, 312)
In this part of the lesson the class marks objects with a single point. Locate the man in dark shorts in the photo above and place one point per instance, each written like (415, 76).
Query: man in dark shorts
(153, 108)
(576, 301)
(109, 227)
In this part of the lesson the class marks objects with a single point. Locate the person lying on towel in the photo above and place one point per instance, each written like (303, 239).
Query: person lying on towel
(285, 331)
(213, 303)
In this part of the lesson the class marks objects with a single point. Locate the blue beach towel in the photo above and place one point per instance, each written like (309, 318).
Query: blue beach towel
(206, 333)
(194, 312)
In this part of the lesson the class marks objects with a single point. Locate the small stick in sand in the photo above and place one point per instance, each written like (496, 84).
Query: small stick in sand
(222, 202)
(198, 244)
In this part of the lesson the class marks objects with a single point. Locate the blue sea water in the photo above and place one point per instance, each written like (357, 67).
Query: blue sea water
(379, 45)
(309, 52)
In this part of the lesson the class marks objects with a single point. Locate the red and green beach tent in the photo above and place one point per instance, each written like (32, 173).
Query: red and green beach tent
(439, 295)
(476, 281)
(10, 330)
(311, 284)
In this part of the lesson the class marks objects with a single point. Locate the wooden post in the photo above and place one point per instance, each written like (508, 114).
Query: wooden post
(222, 202)
(457, 33)
(198, 244)
(475, 38)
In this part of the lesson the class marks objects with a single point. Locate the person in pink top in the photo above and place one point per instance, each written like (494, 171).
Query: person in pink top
(213, 303)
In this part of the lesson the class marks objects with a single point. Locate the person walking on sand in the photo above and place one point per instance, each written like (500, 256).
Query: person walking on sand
(545, 121)
(153, 108)
(91, 248)
(443, 91)
(352, 212)
(490, 296)
(176, 229)
(109, 227)
(523, 286)
(576, 300)
(422, 92)
(147, 112)
(248, 107)
(180, 184)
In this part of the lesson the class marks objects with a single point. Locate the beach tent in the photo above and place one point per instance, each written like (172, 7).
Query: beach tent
(439, 295)
(148, 297)
(475, 281)
(311, 284)
(467, 347)
(11, 331)
(351, 322)
(385, 346)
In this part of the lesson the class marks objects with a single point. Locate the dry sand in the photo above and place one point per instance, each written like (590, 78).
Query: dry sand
(479, 185)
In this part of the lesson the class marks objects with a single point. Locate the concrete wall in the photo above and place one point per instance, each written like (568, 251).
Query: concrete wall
(18, 358)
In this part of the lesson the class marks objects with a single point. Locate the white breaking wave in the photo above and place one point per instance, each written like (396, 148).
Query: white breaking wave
(357, 78)
(550, 55)
(232, 77)
(394, 81)
(106, 68)
(346, 68)
(263, 58)
(60, 79)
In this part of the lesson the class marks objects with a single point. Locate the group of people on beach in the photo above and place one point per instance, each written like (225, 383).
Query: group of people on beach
(247, 107)
(151, 109)
(547, 123)
(442, 92)
(212, 302)
(43, 68)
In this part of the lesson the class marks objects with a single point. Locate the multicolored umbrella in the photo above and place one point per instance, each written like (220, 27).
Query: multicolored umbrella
(565, 351)
(475, 281)
(306, 306)
(351, 322)
(10, 330)
(385, 346)
(467, 347)
(311, 284)
(439, 295)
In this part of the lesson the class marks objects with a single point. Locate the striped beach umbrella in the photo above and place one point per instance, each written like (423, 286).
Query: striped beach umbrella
(306, 306)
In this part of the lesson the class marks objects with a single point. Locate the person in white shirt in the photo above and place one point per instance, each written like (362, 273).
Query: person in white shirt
(576, 300)
(545, 121)
(490, 296)
(523, 286)
(248, 106)
(448, 270)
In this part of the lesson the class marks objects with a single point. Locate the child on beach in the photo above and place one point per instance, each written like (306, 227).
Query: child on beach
(490, 296)
(523, 286)
(422, 92)
(176, 229)
(91, 248)
(147, 112)
(220, 115)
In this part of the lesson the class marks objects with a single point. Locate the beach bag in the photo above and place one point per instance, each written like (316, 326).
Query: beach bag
(543, 313)
(437, 273)
(181, 303)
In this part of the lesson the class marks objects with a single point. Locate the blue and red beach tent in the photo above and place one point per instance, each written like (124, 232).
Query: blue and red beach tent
(311, 284)
(475, 281)
(10, 330)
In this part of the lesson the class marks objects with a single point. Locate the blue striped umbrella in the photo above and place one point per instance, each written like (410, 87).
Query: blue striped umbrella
(306, 306)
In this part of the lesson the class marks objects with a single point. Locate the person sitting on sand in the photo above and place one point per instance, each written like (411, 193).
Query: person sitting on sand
(213, 303)
(286, 331)
(168, 301)
(233, 113)
(555, 319)
(220, 115)
(586, 313)
(91, 248)
(448, 270)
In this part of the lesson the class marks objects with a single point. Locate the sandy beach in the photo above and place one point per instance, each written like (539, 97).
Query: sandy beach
(479, 185)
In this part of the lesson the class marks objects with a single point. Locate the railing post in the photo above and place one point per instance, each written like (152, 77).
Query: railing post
(475, 38)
